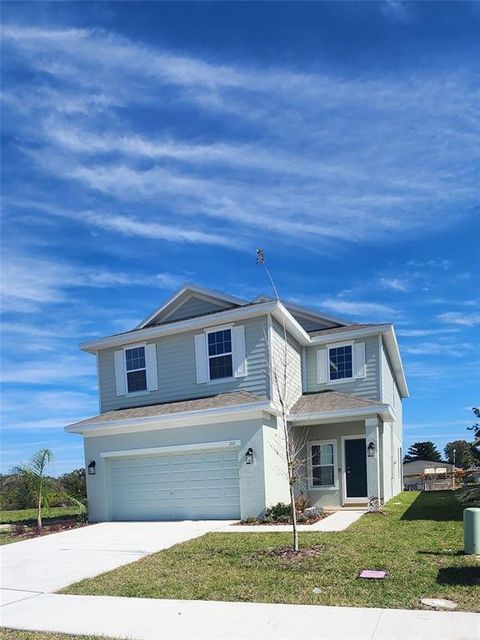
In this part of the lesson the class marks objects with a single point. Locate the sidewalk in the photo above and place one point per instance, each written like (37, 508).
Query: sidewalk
(149, 619)
(338, 521)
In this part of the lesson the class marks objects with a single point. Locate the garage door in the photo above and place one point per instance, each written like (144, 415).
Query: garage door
(187, 485)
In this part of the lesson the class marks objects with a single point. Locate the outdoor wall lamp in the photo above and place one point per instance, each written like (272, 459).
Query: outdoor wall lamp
(91, 468)
(249, 456)
(371, 449)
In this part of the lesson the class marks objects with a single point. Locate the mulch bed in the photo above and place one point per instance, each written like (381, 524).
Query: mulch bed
(251, 522)
(25, 532)
(287, 553)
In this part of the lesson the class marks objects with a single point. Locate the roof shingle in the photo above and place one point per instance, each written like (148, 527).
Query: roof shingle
(329, 401)
(230, 399)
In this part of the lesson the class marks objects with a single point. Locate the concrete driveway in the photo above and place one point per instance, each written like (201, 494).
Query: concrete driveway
(54, 561)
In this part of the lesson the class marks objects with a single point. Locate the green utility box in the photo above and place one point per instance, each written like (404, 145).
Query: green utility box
(471, 530)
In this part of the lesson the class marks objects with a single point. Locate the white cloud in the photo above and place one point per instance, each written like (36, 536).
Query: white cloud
(394, 283)
(397, 11)
(465, 319)
(438, 348)
(418, 333)
(357, 308)
(282, 181)
(29, 281)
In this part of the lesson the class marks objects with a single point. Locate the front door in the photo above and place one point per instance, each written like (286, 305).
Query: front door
(355, 468)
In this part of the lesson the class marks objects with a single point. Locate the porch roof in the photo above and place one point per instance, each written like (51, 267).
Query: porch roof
(326, 405)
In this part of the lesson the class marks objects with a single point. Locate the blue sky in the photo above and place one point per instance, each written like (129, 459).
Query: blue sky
(148, 144)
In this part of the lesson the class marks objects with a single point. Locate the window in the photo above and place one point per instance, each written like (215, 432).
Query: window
(340, 362)
(136, 369)
(219, 344)
(322, 461)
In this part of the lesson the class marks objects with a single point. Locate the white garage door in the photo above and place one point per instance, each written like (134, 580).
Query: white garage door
(188, 485)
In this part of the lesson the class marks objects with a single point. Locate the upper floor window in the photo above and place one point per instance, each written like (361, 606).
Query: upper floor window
(340, 362)
(220, 359)
(136, 369)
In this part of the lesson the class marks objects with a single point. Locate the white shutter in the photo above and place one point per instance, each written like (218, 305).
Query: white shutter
(151, 364)
(238, 351)
(120, 373)
(201, 358)
(322, 366)
(359, 360)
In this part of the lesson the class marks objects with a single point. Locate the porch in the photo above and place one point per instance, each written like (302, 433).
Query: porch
(347, 451)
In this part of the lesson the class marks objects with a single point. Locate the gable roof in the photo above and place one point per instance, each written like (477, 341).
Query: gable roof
(325, 405)
(189, 290)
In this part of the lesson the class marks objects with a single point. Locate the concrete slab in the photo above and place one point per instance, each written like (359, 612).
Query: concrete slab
(7, 596)
(426, 625)
(149, 619)
(56, 560)
(338, 521)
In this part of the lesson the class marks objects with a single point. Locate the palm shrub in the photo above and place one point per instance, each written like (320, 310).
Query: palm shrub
(41, 487)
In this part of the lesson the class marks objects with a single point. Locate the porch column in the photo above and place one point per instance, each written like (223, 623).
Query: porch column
(372, 434)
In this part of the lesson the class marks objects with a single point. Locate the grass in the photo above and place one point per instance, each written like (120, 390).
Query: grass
(29, 516)
(15, 634)
(418, 542)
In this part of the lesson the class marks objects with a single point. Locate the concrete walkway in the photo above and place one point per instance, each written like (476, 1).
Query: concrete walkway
(51, 562)
(149, 619)
(337, 521)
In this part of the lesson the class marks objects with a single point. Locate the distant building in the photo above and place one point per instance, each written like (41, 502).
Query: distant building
(420, 475)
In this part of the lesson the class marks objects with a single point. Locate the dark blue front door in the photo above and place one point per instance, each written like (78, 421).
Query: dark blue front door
(356, 468)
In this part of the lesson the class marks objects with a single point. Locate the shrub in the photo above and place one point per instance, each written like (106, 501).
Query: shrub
(284, 519)
(301, 503)
(278, 510)
(302, 518)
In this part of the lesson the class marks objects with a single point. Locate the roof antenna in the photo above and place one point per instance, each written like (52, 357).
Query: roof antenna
(261, 260)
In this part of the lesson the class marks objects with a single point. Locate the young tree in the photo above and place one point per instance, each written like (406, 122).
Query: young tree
(42, 487)
(423, 451)
(37, 482)
(293, 444)
(465, 454)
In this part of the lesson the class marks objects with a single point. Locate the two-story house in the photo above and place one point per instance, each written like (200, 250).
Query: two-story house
(190, 418)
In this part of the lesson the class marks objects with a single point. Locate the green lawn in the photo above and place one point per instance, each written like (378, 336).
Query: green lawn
(418, 542)
(29, 516)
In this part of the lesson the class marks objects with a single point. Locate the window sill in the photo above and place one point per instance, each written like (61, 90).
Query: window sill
(316, 488)
(221, 380)
(137, 393)
(341, 380)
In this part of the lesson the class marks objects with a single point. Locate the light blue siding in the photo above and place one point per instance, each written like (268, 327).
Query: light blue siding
(367, 387)
(177, 371)
(287, 382)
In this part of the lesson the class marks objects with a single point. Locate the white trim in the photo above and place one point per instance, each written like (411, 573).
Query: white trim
(193, 289)
(180, 419)
(313, 315)
(345, 499)
(179, 448)
(304, 369)
(278, 311)
(385, 411)
(337, 345)
(140, 392)
(270, 355)
(223, 327)
(380, 367)
(310, 485)
(351, 334)
(390, 340)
